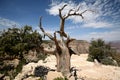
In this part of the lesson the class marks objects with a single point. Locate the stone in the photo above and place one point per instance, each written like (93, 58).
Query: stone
(53, 74)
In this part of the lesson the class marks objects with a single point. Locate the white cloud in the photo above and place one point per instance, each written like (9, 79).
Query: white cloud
(106, 15)
(98, 25)
(107, 36)
(96, 19)
(72, 27)
(7, 23)
(54, 10)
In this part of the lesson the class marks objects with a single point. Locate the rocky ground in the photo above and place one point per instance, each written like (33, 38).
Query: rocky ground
(85, 70)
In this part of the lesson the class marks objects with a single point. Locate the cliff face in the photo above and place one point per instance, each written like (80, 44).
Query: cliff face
(80, 46)
(116, 45)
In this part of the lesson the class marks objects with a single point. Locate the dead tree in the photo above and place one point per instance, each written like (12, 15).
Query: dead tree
(63, 51)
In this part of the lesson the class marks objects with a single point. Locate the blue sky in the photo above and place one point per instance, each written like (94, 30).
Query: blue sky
(104, 22)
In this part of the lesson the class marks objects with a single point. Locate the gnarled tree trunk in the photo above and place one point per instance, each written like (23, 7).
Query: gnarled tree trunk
(63, 53)
(63, 60)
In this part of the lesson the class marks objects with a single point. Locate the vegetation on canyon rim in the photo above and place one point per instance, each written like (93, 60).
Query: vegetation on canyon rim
(103, 52)
(15, 42)
(13, 37)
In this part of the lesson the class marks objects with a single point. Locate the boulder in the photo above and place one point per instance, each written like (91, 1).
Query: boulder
(53, 74)
(31, 56)
(14, 62)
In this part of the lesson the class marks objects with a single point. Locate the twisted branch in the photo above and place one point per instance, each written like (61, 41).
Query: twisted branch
(60, 11)
(75, 14)
(45, 34)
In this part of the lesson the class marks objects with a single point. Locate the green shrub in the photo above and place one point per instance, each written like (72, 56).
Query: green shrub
(107, 61)
(15, 41)
(101, 51)
(90, 58)
(116, 56)
(42, 56)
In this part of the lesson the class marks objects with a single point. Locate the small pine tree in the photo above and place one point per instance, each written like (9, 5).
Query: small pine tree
(15, 41)
(100, 51)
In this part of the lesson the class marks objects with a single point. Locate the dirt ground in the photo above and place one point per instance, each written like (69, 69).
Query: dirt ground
(88, 70)
(85, 70)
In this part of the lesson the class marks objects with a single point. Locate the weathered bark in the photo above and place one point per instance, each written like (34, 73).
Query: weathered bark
(62, 32)
(58, 62)
(63, 62)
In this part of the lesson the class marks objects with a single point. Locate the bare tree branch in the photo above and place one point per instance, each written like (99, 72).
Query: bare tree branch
(69, 40)
(46, 34)
(41, 24)
(77, 14)
(71, 12)
(78, 9)
(60, 11)
(83, 12)
(63, 7)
